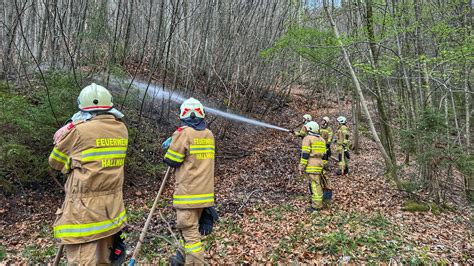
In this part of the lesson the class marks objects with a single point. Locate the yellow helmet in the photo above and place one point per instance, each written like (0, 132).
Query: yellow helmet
(95, 98)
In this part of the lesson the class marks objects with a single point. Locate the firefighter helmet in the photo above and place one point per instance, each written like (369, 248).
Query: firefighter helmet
(342, 120)
(312, 127)
(95, 98)
(326, 119)
(307, 117)
(191, 108)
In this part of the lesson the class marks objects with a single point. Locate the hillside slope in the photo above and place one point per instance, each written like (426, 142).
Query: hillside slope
(262, 206)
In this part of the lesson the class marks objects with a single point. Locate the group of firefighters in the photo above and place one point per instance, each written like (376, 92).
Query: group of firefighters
(316, 155)
(91, 149)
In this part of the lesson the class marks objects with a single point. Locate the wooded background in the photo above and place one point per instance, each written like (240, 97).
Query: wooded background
(404, 65)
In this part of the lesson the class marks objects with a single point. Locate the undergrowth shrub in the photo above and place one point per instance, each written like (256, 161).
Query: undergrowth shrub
(436, 153)
(27, 125)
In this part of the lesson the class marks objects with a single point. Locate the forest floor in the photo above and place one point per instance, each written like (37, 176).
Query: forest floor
(262, 205)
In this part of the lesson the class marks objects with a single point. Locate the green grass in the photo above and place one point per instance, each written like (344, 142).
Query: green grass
(3, 253)
(211, 240)
(162, 202)
(45, 231)
(135, 215)
(157, 248)
(230, 225)
(357, 232)
(279, 212)
(343, 234)
(37, 254)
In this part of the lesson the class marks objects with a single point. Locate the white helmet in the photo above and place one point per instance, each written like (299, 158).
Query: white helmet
(342, 120)
(307, 117)
(191, 106)
(95, 98)
(312, 127)
(326, 119)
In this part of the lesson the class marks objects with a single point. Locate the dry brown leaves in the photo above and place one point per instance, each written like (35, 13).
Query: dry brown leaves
(262, 207)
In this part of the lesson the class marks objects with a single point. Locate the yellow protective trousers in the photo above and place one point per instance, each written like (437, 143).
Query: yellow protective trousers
(343, 164)
(187, 220)
(316, 190)
(91, 253)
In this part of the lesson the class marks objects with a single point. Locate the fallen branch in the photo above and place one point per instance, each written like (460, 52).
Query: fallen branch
(234, 156)
(246, 200)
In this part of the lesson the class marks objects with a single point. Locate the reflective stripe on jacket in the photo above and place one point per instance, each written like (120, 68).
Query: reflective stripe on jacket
(93, 154)
(192, 153)
(313, 148)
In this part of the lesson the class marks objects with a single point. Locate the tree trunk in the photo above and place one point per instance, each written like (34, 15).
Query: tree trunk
(391, 170)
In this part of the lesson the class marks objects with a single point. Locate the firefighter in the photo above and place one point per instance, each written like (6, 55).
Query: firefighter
(327, 134)
(91, 150)
(191, 152)
(303, 132)
(342, 146)
(313, 149)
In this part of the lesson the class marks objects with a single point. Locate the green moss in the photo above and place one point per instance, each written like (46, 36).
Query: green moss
(414, 206)
(418, 206)
(410, 186)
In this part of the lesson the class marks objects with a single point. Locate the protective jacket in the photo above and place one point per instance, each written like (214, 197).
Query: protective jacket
(192, 152)
(92, 153)
(326, 133)
(303, 132)
(342, 137)
(312, 151)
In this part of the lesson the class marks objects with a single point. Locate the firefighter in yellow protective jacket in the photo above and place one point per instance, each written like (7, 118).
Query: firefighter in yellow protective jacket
(313, 149)
(303, 131)
(342, 146)
(191, 153)
(91, 150)
(327, 134)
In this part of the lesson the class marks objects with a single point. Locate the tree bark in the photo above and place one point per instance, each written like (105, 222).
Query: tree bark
(391, 170)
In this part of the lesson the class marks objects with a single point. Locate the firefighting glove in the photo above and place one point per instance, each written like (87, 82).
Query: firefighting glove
(325, 157)
(327, 194)
(166, 144)
(118, 250)
(348, 155)
(208, 217)
(177, 260)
